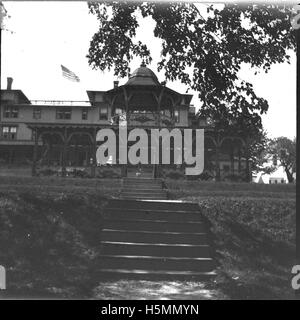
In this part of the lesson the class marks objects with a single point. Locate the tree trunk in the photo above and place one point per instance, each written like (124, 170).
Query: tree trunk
(289, 175)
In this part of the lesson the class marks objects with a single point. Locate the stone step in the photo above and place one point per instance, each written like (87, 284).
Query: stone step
(142, 186)
(139, 181)
(142, 172)
(148, 274)
(142, 192)
(155, 249)
(169, 215)
(144, 196)
(153, 237)
(154, 225)
(143, 175)
(153, 205)
(156, 263)
(142, 180)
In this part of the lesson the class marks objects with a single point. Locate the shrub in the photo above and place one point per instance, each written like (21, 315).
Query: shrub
(108, 173)
(77, 173)
(47, 172)
(234, 178)
(205, 176)
(175, 175)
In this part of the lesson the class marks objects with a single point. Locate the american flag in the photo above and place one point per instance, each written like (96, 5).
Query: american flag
(69, 74)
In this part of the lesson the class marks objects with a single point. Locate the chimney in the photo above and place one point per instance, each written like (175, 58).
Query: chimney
(9, 83)
(116, 84)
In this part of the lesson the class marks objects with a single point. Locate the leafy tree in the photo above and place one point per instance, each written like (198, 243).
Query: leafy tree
(283, 151)
(204, 50)
(204, 53)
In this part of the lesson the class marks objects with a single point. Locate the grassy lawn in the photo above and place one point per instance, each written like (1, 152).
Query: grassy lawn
(50, 235)
(254, 233)
(183, 188)
(80, 186)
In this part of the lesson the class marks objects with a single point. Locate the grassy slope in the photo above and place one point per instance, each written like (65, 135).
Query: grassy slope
(49, 243)
(110, 187)
(179, 189)
(50, 235)
(253, 231)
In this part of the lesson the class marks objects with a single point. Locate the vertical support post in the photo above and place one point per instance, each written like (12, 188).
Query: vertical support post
(94, 149)
(155, 166)
(49, 155)
(217, 164)
(232, 160)
(239, 160)
(35, 150)
(127, 110)
(248, 166)
(217, 154)
(64, 154)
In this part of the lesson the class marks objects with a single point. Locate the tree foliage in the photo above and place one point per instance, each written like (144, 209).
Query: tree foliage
(283, 151)
(204, 51)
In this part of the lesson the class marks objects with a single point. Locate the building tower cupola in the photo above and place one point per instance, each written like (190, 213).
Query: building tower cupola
(143, 76)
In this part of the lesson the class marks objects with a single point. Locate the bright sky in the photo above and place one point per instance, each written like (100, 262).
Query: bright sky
(48, 34)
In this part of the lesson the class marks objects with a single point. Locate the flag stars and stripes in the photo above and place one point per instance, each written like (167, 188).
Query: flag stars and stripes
(68, 74)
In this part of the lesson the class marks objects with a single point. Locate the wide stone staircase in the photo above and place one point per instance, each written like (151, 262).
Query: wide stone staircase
(154, 239)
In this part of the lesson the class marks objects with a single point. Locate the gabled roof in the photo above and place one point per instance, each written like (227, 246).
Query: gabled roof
(18, 93)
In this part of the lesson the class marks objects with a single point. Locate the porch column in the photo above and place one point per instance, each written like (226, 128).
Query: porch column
(64, 154)
(94, 149)
(248, 169)
(247, 155)
(35, 150)
(217, 164)
(232, 160)
(239, 161)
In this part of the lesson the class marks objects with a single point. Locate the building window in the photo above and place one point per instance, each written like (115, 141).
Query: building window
(9, 132)
(103, 113)
(176, 116)
(37, 113)
(84, 114)
(63, 113)
(11, 112)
